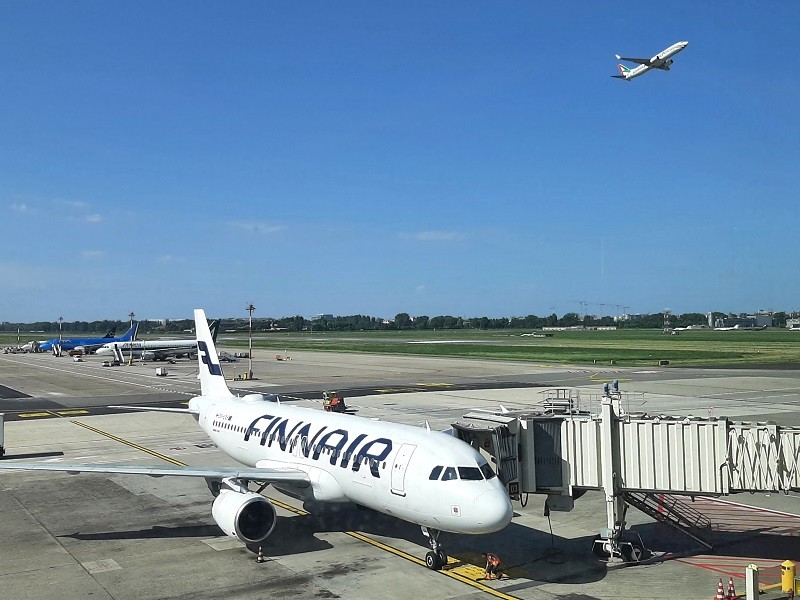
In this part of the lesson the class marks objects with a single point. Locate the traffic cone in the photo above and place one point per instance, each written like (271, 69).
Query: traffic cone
(260, 558)
(731, 590)
(720, 592)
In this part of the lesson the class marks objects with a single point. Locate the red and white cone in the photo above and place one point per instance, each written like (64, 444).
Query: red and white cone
(260, 558)
(731, 589)
(720, 592)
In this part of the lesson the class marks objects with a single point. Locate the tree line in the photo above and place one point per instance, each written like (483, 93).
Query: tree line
(401, 321)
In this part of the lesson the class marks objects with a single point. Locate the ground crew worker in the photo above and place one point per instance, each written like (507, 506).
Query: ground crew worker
(492, 565)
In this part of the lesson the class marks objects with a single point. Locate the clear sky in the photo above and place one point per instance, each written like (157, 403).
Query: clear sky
(463, 158)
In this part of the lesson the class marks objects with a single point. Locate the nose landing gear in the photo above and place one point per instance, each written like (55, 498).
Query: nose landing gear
(437, 557)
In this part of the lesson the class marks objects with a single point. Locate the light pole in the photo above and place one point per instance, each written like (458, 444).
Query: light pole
(60, 335)
(130, 344)
(250, 308)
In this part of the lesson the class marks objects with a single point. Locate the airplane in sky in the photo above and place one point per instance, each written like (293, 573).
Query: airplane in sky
(154, 349)
(662, 61)
(418, 475)
(87, 344)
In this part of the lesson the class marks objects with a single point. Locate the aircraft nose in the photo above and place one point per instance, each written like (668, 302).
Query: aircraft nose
(493, 510)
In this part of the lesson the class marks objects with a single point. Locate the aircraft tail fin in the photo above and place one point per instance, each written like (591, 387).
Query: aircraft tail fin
(214, 328)
(130, 334)
(212, 381)
(624, 72)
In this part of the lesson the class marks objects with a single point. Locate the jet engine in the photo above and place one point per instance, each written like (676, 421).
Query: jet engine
(247, 516)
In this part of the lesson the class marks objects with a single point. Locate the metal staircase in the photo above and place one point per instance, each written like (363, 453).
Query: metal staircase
(671, 511)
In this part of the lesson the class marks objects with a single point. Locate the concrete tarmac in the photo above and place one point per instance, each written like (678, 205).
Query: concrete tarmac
(113, 536)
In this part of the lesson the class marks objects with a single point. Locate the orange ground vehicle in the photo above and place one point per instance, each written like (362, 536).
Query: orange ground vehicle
(333, 402)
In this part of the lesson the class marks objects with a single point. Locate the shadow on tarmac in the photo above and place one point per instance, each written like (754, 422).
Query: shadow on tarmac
(32, 455)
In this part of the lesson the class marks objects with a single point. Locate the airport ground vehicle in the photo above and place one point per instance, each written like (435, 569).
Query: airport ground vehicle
(333, 402)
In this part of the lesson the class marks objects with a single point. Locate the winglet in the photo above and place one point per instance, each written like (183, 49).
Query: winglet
(618, 57)
(212, 381)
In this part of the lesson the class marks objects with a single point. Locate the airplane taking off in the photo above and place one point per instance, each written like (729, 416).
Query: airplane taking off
(425, 477)
(662, 61)
(87, 344)
(154, 349)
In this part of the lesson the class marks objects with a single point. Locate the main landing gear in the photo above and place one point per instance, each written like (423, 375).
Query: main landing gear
(437, 557)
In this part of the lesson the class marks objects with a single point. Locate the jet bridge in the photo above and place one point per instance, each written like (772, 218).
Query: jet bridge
(645, 461)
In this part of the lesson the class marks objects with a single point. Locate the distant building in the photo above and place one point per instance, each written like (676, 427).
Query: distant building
(759, 320)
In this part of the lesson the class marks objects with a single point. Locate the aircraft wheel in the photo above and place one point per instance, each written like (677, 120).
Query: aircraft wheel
(432, 561)
(442, 556)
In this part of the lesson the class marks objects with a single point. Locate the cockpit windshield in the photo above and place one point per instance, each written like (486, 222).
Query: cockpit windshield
(478, 473)
(449, 473)
(470, 473)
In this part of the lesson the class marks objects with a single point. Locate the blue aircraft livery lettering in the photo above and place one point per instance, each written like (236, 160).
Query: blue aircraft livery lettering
(269, 428)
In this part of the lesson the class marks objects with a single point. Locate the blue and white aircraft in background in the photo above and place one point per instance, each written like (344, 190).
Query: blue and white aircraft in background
(425, 477)
(87, 344)
(155, 349)
(662, 61)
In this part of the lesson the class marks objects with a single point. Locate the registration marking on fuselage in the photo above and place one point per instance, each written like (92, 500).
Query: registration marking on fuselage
(453, 574)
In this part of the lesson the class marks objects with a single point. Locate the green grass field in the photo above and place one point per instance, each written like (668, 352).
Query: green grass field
(776, 348)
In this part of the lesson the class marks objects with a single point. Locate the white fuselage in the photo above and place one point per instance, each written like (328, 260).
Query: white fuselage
(150, 349)
(657, 61)
(389, 467)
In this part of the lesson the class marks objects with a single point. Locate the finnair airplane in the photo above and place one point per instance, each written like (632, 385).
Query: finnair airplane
(154, 349)
(425, 477)
(662, 61)
(88, 344)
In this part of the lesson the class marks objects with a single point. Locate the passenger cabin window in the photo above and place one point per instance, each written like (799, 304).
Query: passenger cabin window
(449, 473)
(487, 471)
(436, 472)
(470, 473)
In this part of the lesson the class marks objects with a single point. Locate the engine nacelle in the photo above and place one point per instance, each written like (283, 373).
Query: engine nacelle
(249, 517)
(148, 355)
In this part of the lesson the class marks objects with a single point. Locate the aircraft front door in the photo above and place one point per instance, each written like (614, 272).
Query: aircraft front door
(399, 469)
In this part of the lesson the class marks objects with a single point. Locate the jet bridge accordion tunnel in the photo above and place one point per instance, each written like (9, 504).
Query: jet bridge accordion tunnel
(526, 452)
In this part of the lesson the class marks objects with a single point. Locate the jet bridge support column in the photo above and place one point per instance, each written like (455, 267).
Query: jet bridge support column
(2, 435)
(610, 544)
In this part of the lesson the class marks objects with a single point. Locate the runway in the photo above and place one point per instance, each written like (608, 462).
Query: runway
(103, 536)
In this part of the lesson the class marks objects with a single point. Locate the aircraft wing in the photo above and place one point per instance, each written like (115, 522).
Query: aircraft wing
(293, 476)
(185, 411)
(640, 61)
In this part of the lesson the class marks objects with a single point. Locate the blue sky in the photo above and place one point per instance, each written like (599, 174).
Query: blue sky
(464, 158)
